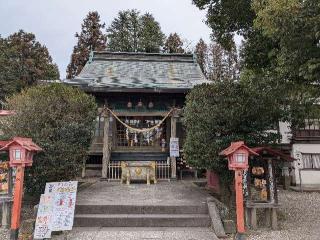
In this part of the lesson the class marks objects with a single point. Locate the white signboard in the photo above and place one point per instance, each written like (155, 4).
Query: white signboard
(44, 217)
(65, 194)
(174, 147)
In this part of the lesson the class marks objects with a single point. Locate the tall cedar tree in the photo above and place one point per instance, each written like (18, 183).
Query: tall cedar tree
(23, 61)
(201, 55)
(222, 63)
(131, 32)
(217, 63)
(90, 39)
(151, 38)
(174, 44)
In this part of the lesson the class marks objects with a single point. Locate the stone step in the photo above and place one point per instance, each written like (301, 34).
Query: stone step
(142, 220)
(145, 209)
(137, 233)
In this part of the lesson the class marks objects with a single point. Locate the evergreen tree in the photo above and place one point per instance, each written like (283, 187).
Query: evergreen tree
(23, 61)
(201, 52)
(223, 64)
(151, 38)
(217, 63)
(227, 17)
(90, 39)
(174, 44)
(130, 32)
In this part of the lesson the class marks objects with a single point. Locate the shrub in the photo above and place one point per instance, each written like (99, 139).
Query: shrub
(58, 118)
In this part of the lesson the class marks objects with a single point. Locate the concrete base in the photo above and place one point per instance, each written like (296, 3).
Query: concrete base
(240, 236)
(304, 188)
(229, 226)
(215, 218)
(14, 233)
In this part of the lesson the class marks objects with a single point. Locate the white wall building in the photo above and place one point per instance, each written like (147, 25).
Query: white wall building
(305, 148)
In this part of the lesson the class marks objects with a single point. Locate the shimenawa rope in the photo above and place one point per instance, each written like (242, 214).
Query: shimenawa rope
(139, 130)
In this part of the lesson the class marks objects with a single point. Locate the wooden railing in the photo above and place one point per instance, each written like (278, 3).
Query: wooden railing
(306, 135)
(114, 171)
(163, 170)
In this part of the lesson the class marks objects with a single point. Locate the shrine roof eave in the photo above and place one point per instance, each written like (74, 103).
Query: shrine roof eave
(273, 153)
(235, 146)
(24, 142)
(3, 143)
(90, 89)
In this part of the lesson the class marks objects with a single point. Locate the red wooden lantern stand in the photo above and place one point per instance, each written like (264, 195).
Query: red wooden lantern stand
(21, 151)
(238, 155)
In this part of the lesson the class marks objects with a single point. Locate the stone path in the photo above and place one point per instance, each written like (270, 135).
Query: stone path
(164, 193)
(138, 234)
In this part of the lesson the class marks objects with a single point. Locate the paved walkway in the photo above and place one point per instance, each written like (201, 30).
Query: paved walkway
(138, 234)
(163, 193)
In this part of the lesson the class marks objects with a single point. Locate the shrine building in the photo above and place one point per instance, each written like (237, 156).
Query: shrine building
(140, 98)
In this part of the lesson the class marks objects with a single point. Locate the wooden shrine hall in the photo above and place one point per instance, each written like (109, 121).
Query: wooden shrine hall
(140, 97)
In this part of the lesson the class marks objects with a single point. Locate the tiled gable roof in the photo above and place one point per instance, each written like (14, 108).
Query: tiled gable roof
(140, 71)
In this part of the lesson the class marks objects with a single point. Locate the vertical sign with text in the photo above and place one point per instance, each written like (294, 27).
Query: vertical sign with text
(174, 147)
(43, 226)
(63, 204)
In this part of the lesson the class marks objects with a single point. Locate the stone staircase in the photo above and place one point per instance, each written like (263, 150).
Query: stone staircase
(142, 216)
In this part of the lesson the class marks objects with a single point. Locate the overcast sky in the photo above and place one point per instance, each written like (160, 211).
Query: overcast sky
(54, 22)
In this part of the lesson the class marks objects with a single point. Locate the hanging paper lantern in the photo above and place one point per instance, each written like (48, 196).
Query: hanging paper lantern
(129, 105)
(150, 105)
(140, 104)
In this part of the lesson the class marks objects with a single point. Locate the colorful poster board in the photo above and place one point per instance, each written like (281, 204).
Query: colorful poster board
(64, 203)
(174, 147)
(43, 226)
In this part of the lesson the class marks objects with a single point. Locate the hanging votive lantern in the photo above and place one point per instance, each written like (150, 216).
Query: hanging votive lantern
(140, 104)
(129, 105)
(150, 105)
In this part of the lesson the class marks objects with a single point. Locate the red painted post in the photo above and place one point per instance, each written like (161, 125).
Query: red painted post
(17, 202)
(21, 152)
(238, 154)
(239, 201)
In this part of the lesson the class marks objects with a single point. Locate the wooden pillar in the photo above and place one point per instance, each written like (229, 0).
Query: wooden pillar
(268, 217)
(83, 172)
(107, 140)
(253, 218)
(173, 160)
(5, 222)
(6, 207)
(17, 202)
(239, 201)
(271, 181)
(274, 220)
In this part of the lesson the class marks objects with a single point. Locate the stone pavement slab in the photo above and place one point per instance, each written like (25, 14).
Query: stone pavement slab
(138, 234)
(163, 193)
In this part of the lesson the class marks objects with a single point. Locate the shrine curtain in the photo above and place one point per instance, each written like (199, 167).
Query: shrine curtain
(311, 161)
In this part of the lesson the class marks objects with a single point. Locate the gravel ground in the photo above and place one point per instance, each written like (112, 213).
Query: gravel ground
(299, 218)
(4, 234)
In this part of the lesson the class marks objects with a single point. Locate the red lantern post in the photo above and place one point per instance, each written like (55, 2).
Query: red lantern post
(21, 151)
(238, 155)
